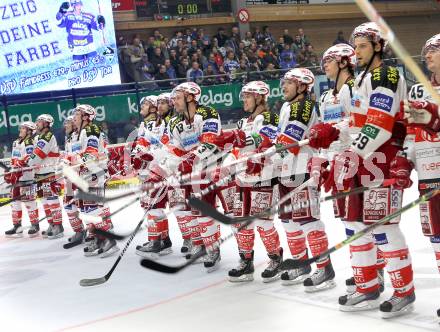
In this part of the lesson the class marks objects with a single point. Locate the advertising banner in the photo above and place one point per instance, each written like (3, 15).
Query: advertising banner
(56, 45)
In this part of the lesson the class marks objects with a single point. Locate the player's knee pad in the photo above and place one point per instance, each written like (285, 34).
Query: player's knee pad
(380, 202)
(391, 241)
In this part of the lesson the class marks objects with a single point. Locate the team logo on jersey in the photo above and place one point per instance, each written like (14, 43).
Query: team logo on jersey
(381, 101)
(210, 127)
(333, 113)
(294, 131)
(381, 238)
(41, 144)
(191, 140)
(269, 132)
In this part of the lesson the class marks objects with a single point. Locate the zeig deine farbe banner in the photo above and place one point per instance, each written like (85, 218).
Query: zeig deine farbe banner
(56, 44)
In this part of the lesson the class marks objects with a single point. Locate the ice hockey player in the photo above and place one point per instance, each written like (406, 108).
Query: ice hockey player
(44, 158)
(255, 191)
(194, 134)
(377, 94)
(298, 114)
(148, 147)
(338, 63)
(71, 147)
(79, 27)
(21, 178)
(423, 146)
(89, 149)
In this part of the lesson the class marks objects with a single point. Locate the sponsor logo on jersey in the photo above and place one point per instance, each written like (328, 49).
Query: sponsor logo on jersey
(370, 131)
(92, 143)
(41, 144)
(76, 147)
(381, 238)
(16, 153)
(191, 140)
(429, 167)
(333, 113)
(294, 131)
(356, 101)
(381, 101)
(269, 132)
(29, 150)
(210, 127)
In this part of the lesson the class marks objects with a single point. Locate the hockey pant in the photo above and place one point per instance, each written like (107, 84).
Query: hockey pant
(49, 192)
(71, 208)
(250, 201)
(27, 195)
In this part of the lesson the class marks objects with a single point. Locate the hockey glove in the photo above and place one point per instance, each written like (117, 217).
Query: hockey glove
(186, 165)
(400, 170)
(101, 21)
(140, 159)
(64, 8)
(423, 113)
(342, 170)
(322, 135)
(236, 138)
(317, 168)
(12, 177)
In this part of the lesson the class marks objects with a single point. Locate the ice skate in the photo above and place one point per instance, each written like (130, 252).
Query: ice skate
(107, 248)
(211, 260)
(47, 231)
(272, 271)
(150, 249)
(75, 240)
(186, 247)
(397, 306)
(92, 248)
(321, 279)
(15, 231)
(244, 271)
(359, 301)
(295, 276)
(34, 230)
(195, 250)
(166, 246)
(56, 232)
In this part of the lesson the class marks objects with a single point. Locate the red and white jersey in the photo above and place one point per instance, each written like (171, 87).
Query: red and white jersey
(263, 128)
(150, 132)
(22, 151)
(335, 109)
(296, 120)
(422, 147)
(46, 154)
(376, 103)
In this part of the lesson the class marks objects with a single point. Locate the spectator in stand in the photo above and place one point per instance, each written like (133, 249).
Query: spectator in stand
(209, 75)
(136, 52)
(298, 45)
(202, 58)
(158, 38)
(221, 37)
(267, 35)
(212, 61)
(163, 79)
(182, 69)
(241, 50)
(270, 72)
(340, 39)
(258, 36)
(230, 63)
(223, 76)
(234, 40)
(203, 38)
(195, 74)
(193, 48)
(254, 71)
(241, 73)
(178, 35)
(267, 56)
(164, 50)
(171, 71)
(248, 39)
(280, 45)
(195, 57)
(174, 58)
(287, 37)
(187, 37)
(180, 48)
(303, 37)
(145, 71)
(149, 47)
(157, 59)
(124, 60)
(287, 58)
(130, 126)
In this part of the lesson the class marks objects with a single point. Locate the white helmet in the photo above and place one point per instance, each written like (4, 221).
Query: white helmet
(68, 119)
(46, 118)
(86, 110)
(369, 30)
(190, 88)
(151, 99)
(165, 97)
(300, 75)
(29, 125)
(338, 52)
(432, 44)
(256, 88)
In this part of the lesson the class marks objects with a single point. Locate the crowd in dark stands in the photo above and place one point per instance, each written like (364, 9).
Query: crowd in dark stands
(192, 55)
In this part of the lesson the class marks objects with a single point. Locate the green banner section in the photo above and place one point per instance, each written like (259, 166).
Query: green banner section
(119, 108)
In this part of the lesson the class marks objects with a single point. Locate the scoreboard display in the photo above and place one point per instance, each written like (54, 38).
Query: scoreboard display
(176, 8)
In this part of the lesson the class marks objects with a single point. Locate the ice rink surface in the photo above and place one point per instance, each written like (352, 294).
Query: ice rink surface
(39, 288)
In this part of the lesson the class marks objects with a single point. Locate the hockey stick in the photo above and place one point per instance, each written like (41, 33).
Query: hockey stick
(397, 47)
(289, 264)
(108, 50)
(159, 267)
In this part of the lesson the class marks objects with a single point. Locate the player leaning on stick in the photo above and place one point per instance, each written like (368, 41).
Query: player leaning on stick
(423, 146)
(145, 159)
(45, 156)
(338, 63)
(89, 151)
(255, 191)
(377, 94)
(297, 116)
(22, 181)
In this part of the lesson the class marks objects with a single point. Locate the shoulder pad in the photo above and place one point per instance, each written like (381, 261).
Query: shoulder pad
(207, 112)
(28, 141)
(270, 118)
(387, 77)
(350, 82)
(92, 130)
(174, 121)
(302, 110)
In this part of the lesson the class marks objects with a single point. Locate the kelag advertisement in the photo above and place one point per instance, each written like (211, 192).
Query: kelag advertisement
(56, 45)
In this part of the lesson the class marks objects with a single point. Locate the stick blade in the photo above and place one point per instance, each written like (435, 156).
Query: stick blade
(290, 263)
(210, 211)
(155, 266)
(92, 282)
